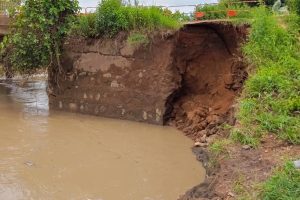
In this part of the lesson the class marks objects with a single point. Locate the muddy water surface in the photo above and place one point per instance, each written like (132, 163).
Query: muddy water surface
(62, 156)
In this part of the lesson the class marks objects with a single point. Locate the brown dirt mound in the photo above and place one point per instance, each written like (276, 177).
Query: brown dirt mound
(213, 73)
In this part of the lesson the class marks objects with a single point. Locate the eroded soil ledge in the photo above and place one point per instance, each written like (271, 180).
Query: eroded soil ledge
(189, 79)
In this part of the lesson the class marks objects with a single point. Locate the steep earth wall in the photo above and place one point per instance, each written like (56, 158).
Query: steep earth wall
(190, 77)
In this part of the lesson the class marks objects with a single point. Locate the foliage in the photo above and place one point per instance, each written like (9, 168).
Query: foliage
(38, 33)
(283, 185)
(86, 26)
(270, 2)
(7, 5)
(137, 39)
(219, 11)
(113, 17)
(270, 102)
(294, 6)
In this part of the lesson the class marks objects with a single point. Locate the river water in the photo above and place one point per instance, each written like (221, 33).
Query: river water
(61, 156)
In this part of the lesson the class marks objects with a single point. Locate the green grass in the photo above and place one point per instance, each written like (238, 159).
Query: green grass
(137, 39)
(86, 26)
(113, 17)
(283, 185)
(270, 102)
(219, 147)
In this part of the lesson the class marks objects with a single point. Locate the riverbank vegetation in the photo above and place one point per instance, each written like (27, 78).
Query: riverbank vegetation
(37, 35)
(220, 10)
(270, 102)
(113, 17)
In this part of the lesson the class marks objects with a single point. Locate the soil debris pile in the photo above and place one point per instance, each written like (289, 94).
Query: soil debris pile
(213, 73)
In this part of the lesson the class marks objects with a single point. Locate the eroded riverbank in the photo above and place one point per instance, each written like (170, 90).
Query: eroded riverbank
(67, 156)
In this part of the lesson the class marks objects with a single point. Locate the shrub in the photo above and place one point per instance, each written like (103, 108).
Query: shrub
(37, 34)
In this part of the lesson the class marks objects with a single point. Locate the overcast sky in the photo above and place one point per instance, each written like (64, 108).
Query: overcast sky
(93, 3)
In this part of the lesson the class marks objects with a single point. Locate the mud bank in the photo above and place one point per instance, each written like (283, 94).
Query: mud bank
(190, 77)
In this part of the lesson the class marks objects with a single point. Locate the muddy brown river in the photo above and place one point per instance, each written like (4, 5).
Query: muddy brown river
(61, 156)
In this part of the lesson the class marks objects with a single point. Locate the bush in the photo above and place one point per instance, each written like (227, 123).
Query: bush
(113, 17)
(37, 35)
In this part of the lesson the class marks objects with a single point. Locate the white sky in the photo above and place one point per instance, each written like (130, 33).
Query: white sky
(93, 3)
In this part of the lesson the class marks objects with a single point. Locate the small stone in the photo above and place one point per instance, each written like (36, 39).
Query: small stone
(114, 84)
(108, 75)
(29, 163)
(85, 96)
(246, 147)
(140, 75)
(82, 74)
(98, 96)
(73, 106)
(297, 164)
(60, 105)
(145, 115)
(203, 139)
(231, 194)
(200, 144)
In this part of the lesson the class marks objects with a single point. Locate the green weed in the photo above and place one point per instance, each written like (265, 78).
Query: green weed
(112, 17)
(294, 6)
(283, 185)
(219, 147)
(86, 25)
(138, 39)
(270, 100)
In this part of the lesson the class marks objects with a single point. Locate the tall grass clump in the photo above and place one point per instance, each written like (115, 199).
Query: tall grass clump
(86, 25)
(113, 17)
(271, 99)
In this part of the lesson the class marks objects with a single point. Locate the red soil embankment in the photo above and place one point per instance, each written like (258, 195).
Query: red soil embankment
(212, 72)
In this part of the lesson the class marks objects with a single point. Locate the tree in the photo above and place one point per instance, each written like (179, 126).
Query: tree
(38, 33)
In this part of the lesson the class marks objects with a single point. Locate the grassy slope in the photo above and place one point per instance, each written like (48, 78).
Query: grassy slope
(271, 99)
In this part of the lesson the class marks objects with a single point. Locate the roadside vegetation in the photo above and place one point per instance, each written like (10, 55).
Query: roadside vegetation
(113, 17)
(219, 11)
(270, 102)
